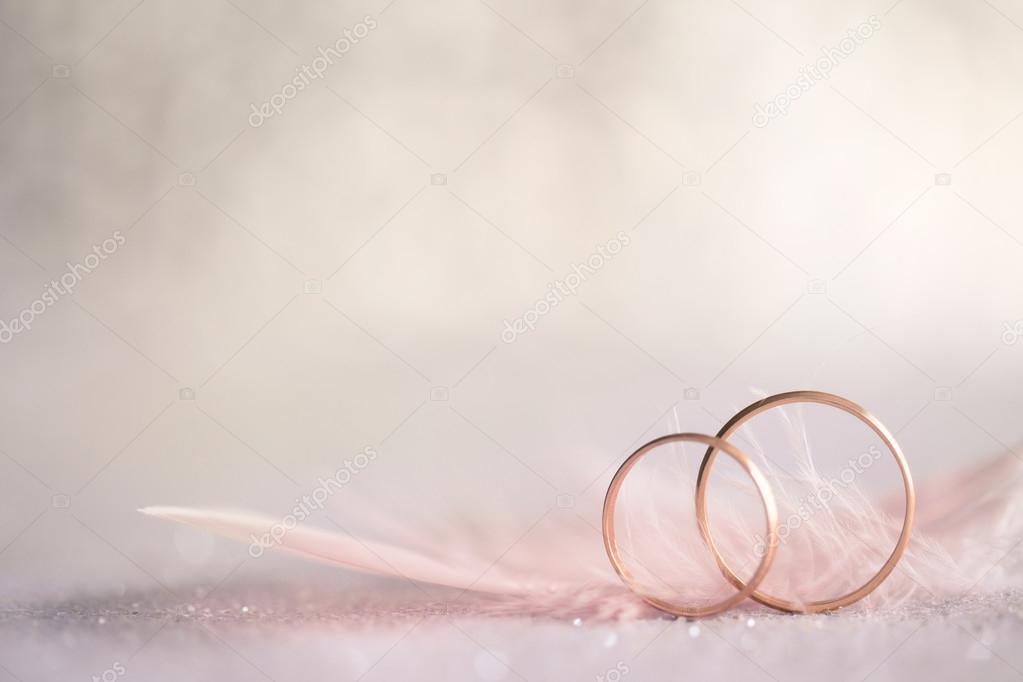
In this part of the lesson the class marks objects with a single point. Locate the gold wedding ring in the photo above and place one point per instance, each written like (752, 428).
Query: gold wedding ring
(719, 443)
(877, 427)
(766, 496)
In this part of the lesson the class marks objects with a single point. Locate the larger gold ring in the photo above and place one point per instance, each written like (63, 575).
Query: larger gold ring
(877, 427)
(770, 510)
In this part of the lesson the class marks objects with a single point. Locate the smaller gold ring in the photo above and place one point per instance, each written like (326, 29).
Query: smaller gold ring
(878, 428)
(770, 511)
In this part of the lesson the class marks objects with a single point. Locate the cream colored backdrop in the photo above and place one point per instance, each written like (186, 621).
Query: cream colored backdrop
(277, 288)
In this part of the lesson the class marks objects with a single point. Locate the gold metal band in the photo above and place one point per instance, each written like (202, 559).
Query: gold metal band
(877, 427)
(719, 443)
(766, 496)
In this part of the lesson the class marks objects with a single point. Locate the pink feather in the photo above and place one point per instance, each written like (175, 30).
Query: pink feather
(967, 521)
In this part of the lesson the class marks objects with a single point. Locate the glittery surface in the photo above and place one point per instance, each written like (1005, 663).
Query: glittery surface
(269, 633)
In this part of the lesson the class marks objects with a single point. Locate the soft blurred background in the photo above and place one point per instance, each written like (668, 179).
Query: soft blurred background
(259, 296)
